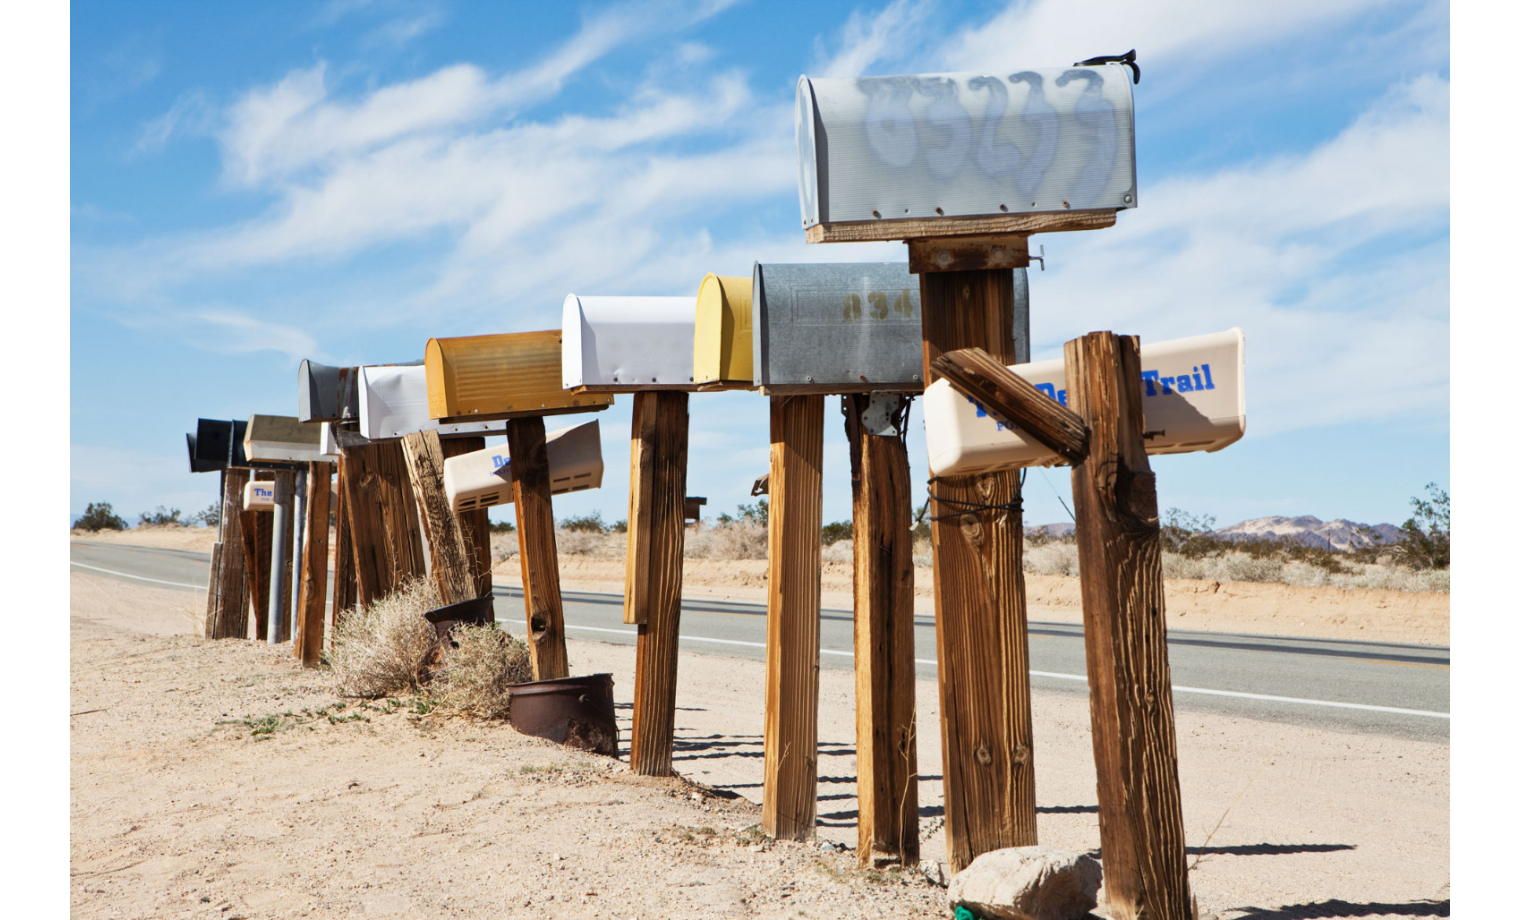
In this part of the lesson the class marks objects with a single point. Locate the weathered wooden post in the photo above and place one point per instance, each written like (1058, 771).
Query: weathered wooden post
(217, 445)
(517, 377)
(853, 330)
(258, 538)
(928, 159)
(643, 346)
(1118, 414)
(314, 565)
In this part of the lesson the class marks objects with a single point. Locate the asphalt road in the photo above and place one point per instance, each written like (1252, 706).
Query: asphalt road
(1364, 687)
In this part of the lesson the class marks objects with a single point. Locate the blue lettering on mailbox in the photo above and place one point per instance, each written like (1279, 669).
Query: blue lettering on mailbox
(1182, 382)
(498, 461)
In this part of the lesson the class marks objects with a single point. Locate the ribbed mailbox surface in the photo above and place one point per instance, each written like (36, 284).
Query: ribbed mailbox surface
(513, 374)
(393, 403)
(282, 439)
(837, 328)
(483, 478)
(723, 344)
(962, 144)
(1193, 396)
(628, 344)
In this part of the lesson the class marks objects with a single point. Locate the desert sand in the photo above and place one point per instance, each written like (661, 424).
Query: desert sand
(218, 779)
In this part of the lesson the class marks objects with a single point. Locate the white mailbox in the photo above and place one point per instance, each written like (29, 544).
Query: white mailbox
(393, 403)
(1193, 397)
(282, 439)
(953, 145)
(483, 478)
(258, 496)
(626, 344)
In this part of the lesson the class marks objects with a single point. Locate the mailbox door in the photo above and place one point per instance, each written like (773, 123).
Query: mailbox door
(837, 328)
(1193, 397)
(961, 144)
(626, 344)
(724, 343)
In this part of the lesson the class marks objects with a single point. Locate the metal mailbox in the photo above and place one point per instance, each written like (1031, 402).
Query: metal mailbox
(483, 478)
(628, 344)
(282, 439)
(258, 496)
(219, 444)
(512, 375)
(200, 464)
(1193, 399)
(949, 145)
(723, 343)
(393, 403)
(837, 328)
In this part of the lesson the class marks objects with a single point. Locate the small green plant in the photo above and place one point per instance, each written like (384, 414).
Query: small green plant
(161, 517)
(586, 523)
(839, 530)
(211, 517)
(99, 516)
(503, 526)
(1425, 541)
(620, 526)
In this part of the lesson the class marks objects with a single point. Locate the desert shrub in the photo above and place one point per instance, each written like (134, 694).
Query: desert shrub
(923, 550)
(477, 673)
(758, 513)
(212, 516)
(620, 526)
(503, 545)
(161, 517)
(839, 551)
(737, 539)
(589, 543)
(387, 647)
(585, 523)
(1051, 558)
(502, 526)
(839, 530)
(1425, 540)
(99, 517)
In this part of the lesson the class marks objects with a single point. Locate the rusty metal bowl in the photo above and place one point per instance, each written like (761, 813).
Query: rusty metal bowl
(574, 711)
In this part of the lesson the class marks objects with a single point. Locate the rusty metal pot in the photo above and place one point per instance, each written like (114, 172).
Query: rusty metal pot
(476, 612)
(574, 711)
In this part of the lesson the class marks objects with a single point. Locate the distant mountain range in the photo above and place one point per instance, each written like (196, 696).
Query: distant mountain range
(1339, 534)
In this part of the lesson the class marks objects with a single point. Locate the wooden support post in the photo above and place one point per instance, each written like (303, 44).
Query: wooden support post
(476, 525)
(258, 532)
(451, 557)
(314, 565)
(279, 558)
(981, 622)
(229, 619)
(382, 515)
(208, 626)
(345, 584)
(536, 548)
(652, 591)
(886, 735)
(1124, 624)
(793, 606)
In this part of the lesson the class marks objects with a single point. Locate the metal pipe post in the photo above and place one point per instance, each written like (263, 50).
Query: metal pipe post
(278, 574)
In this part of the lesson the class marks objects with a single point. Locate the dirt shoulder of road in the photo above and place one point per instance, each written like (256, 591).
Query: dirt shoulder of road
(1369, 614)
(220, 779)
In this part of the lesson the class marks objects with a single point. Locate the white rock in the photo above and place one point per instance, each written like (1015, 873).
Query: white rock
(1028, 883)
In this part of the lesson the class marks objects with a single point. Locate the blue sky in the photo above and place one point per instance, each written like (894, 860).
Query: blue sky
(252, 184)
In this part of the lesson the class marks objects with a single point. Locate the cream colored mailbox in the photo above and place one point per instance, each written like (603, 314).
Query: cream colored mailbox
(393, 403)
(483, 478)
(283, 439)
(627, 344)
(258, 496)
(723, 343)
(837, 328)
(1193, 399)
(954, 145)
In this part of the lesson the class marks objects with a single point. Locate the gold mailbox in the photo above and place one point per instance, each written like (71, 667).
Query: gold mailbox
(512, 375)
(724, 347)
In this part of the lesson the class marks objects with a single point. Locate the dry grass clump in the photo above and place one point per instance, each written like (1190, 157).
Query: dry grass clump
(386, 648)
(1050, 558)
(741, 539)
(839, 551)
(477, 674)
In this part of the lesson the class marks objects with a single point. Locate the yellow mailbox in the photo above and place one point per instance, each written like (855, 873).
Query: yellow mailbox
(724, 348)
(511, 375)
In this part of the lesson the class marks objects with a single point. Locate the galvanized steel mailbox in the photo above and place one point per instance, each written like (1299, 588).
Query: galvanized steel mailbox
(258, 496)
(512, 375)
(393, 403)
(953, 145)
(330, 394)
(1193, 398)
(628, 344)
(723, 344)
(282, 439)
(483, 478)
(837, 328)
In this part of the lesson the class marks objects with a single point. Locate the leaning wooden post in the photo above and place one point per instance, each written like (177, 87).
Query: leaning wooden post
(536, 548)
(980, 618)
(476, 525)
(886, 743)
(652, 595)
(230, 618)
(1124, 623)
(345, 584)
(314, 565)
(793, 606)
(452, 569)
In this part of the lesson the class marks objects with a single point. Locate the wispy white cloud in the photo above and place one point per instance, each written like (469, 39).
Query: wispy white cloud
(869, 38)
(191, 113)
(234, 332)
